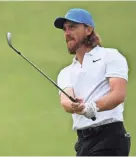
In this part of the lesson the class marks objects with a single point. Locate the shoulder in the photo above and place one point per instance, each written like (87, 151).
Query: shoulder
(65, 71)
(107, 53)
(112, 53)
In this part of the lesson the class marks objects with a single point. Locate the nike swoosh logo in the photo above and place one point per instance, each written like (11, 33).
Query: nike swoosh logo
(96, 60)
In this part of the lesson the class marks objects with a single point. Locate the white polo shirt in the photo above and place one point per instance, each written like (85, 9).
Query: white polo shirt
(90, 82)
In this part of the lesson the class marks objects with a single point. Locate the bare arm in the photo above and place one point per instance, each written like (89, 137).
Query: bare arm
(115, 97)
(65, 102)
(68, 105)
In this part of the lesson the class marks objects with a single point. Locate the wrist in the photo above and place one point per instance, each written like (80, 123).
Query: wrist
(90, 110)
(89, 105)
(97, 108)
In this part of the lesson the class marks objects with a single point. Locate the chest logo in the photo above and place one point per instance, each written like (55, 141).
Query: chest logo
(96, 60)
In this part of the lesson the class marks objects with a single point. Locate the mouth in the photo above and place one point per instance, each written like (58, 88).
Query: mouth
(70, 39)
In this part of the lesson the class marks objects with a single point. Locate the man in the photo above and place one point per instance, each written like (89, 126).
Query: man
(97, 79)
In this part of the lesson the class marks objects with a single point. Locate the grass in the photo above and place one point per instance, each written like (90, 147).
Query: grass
(31, 119)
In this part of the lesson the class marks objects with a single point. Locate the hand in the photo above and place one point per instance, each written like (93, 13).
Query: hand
(78, 106)
(90, 110)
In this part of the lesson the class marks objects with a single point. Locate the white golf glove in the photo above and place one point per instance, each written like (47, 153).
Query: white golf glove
(90, 110)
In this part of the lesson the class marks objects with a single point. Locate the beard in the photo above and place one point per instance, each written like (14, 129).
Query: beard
(74, 45)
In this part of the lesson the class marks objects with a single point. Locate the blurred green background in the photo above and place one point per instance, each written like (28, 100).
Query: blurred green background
(32, 122)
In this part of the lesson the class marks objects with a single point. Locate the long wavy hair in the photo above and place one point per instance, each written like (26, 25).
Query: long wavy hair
(93, 40)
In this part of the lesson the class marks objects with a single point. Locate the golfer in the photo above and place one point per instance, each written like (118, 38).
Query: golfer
(97, 79)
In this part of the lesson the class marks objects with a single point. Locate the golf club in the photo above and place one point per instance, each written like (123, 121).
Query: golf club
(8, 36)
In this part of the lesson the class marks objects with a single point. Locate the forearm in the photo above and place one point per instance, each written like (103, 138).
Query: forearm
(66, 104)
(65, 101)
(110, 101)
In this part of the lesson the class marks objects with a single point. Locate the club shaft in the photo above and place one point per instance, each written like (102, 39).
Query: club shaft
(47, 77)
(71, 98)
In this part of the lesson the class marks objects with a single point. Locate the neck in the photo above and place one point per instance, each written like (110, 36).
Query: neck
(81, 52)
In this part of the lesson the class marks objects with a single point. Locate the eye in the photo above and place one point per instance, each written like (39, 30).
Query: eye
(64, 28)
(72, 26)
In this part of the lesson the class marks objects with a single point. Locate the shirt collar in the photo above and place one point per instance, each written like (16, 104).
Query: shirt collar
(93, 51)
(75, 60)
(90, 53)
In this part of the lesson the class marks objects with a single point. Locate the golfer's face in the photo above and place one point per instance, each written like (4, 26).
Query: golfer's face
(74, 33)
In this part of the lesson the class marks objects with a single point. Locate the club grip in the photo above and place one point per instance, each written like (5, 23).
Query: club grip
(72, 99)
(93, 118)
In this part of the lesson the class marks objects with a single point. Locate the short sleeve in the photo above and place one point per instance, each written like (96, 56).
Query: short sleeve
(116, 65)
(63, 79)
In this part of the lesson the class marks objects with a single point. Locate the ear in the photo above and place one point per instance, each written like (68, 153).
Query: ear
(89, 30)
